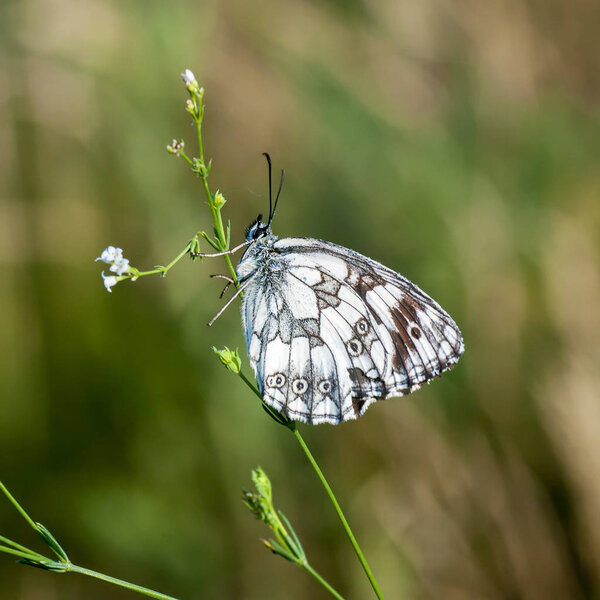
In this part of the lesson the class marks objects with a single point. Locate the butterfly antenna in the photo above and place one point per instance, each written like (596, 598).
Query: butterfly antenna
(266, 155)
(276, 198)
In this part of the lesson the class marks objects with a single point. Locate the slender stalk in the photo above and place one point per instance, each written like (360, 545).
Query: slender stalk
(322, 582)
(14, 545)
(21, 510)
(336, 506)
(250, 384)
(216, 212)
(62, 565)
(119, 582)
(338, 510)
(43, 562)
(165, 270)
(23, 554)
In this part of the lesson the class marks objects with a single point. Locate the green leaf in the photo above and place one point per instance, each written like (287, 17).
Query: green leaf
(297, 546)
(50, 540)
(214, 244)
(51, 565)
(276, 548)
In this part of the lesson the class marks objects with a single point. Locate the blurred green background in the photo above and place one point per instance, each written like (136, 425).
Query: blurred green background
(457, 142)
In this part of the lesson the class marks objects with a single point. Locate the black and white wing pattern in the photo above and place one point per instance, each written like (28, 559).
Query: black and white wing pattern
(329, 331)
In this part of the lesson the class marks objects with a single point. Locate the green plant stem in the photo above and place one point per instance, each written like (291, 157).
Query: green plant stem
(338, 510)
(322, 581)
(165, 270)
(28, 554)
(330, 493)
(67, 567)
(250, 385)
(21, 510)
(119, 582)
(30, 557)
(216, 212)
(15, 546)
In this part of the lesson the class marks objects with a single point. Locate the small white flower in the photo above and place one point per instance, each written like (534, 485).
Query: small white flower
(110, 255)
(189, 78)
(109, 281)
(120, 266)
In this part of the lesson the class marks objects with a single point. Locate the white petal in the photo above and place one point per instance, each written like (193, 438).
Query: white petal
(109, 281)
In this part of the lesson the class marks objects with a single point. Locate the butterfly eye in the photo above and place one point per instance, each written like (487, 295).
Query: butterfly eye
(325, 386)
(299, 386)
(256, 229)
(362, 327)
(354, 348)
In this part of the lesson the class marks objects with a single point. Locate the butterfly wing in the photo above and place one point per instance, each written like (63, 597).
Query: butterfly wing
(330, 331)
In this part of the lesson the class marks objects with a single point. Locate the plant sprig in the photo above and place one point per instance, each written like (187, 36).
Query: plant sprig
(60, 564)
(287, 545)
(120, 268)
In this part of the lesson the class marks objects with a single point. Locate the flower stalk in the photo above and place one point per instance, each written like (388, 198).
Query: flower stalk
(222, 238)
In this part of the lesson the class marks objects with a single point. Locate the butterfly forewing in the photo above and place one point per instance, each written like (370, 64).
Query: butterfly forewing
(330, 331)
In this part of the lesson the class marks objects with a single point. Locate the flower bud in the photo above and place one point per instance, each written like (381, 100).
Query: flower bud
(219, 200)
(190, 82)
(230, 359)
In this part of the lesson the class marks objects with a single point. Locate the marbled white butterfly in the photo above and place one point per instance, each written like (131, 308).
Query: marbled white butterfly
(330, 331)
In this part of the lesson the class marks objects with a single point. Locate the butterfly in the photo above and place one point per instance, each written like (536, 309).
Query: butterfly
(330, 331)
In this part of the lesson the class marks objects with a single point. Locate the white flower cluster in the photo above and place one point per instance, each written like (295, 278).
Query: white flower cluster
(118, 264)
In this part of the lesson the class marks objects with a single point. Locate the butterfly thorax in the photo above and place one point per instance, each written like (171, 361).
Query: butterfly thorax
(257, 257)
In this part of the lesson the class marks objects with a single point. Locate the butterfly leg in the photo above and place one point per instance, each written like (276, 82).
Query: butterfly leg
(227, 252)
(237, 293)
(229, 282)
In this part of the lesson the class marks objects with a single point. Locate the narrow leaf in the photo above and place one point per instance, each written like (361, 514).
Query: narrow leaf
(52, 542)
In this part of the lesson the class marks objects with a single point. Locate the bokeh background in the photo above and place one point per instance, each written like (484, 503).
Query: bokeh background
(455, 141)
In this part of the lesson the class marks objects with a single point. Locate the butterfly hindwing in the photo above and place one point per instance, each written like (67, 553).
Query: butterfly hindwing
(330, 331)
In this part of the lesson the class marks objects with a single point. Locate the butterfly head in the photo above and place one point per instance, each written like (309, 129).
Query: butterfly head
(257, 229)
